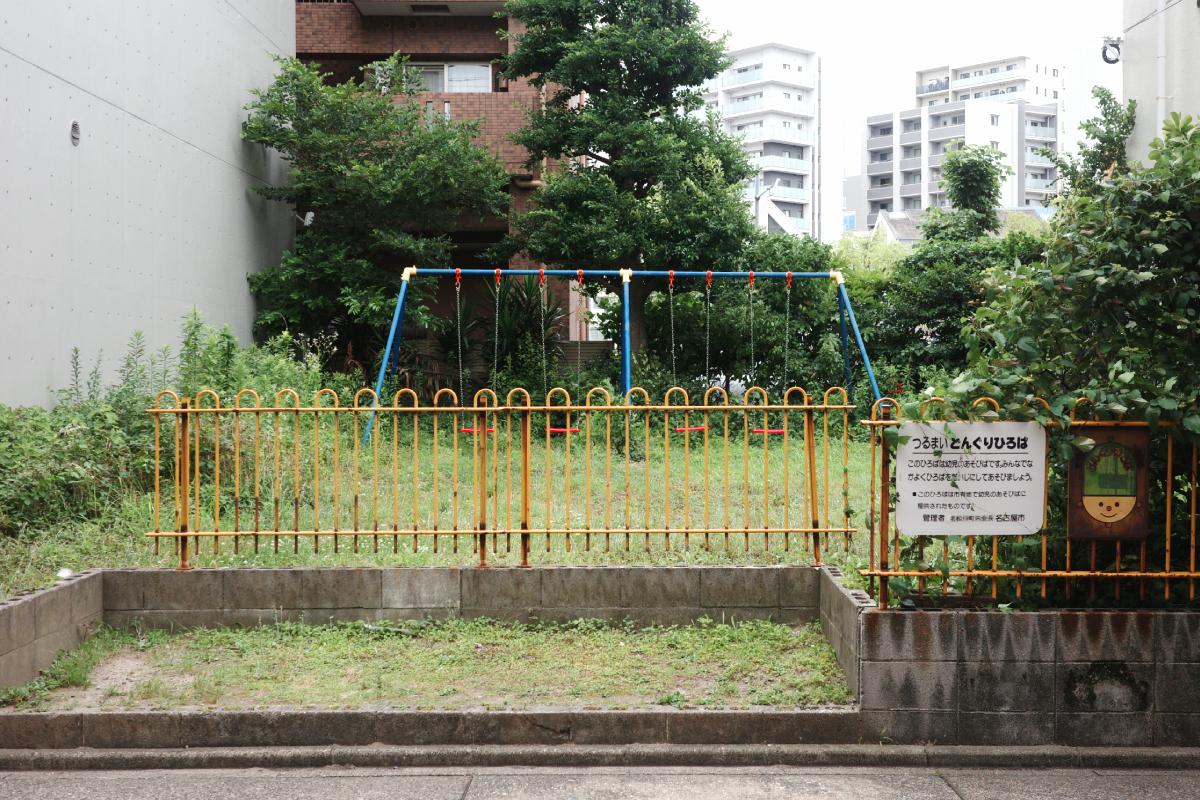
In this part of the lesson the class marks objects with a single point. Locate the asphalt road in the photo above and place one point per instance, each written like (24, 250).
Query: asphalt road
(514, 783)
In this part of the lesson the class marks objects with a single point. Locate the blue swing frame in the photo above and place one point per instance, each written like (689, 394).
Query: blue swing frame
(845, 312)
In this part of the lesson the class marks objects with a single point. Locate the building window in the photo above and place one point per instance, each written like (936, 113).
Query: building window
(455, 77)
(787, 124)
(979, 94)
(1056, 95)
(912, 203)
(993, 70)
(787, 66)
(995, 119)
(1011, 90)
(884, 130)
(1011, 67)
(994, 91)
(963, 75)
(995, 145)
(741, 70)
(787, 95)
(1056, 73)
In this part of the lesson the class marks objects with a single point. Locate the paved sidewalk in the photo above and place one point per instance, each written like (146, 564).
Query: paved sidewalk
(515, 783)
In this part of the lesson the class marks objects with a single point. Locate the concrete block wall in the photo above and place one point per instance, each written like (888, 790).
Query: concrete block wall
(840, 611)
(1083, 678)
(647, 595)
(35, 627)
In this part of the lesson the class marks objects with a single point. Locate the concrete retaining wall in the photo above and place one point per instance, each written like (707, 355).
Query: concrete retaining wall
(657, 595)
(840, 610)
(34, 627)
(1068, 677)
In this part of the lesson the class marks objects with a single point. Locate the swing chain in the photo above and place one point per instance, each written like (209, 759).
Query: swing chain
(581, 334)
(496, 334)
(750, 303)
(671, 314)
(787, 327)
(458, 328)
(707, 324)
(542, 331)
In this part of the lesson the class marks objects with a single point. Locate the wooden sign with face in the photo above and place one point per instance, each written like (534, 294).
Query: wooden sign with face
(1108, 486)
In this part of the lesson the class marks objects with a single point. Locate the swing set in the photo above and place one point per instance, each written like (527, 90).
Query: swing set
(849, 325)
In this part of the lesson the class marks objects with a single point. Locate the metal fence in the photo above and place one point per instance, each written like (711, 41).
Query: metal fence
(512, 477)
(987, 566)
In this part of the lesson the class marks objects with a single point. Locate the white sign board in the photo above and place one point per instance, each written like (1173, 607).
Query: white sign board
(970, 478)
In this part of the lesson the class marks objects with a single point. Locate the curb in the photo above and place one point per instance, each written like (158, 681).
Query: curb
(605, 756)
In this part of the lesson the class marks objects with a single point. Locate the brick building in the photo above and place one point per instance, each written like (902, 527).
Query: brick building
(455, 44)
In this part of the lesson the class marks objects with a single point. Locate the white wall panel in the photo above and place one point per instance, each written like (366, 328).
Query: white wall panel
(154, 212)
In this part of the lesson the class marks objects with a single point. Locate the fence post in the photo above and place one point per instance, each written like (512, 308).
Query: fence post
(185, 480)
(810, 449)
(481, 473)
(884, 508)
(525, 444)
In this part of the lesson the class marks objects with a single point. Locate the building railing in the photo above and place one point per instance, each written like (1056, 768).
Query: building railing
(1041, 132)
(980, 565)
(783, 163)
(505, 476)
(934, 86)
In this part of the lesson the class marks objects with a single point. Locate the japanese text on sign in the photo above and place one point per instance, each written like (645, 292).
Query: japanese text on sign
(970, 478)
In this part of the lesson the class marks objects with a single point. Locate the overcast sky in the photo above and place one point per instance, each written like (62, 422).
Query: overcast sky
(870, 50)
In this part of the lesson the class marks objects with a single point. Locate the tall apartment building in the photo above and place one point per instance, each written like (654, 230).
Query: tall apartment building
(771, 98)
(126, 191)
(1014, 105)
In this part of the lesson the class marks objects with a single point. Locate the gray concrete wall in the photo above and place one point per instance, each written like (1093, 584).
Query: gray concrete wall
(35, 627)
(657, 595)
(1139, 57)
(154, 211)
(840, 611)
(1083, 678)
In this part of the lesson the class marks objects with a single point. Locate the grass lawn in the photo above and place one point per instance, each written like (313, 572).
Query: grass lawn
(458, 664)
(117, 538)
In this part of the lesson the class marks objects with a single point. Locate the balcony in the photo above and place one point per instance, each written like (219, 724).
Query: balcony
(871, 219)
(775, 133)
(1003, 76)
(912, 113)
(737, 107)
(908, 164)
(945, 133)
(934, 86)
(1037, 158)
(910, 189)
(766, 73)
(881, 192)
(910, 137)
(880, 167)
(935, 159)
(879, 142)
(792, 194)
(783, 164)
(1047, 132)
(1039, 185)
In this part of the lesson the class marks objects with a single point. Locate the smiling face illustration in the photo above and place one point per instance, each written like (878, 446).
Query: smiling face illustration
(1110, 483)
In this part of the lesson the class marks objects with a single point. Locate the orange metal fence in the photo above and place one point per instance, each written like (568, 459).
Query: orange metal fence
(1165, 561)
(513, 477)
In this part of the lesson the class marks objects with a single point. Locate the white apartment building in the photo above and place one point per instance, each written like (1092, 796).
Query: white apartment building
(771, 97)
(1014, 105)
(1160, 61)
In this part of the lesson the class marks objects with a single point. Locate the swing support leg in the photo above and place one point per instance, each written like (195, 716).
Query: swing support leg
(626, 356)
(393, 332)
(862, 348)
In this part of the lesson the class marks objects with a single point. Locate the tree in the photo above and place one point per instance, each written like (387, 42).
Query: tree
(385, 186)
(972, 175)
(1102, 153)
(873, 252)
(933, 293)
(1113, 312)
(643, 179)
